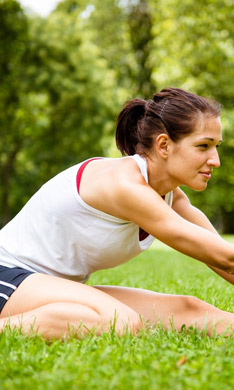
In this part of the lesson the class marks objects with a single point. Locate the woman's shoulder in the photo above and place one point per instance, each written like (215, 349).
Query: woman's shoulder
(105, 181)
(130, 168)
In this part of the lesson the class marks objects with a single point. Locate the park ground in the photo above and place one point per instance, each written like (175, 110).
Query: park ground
(152, 360)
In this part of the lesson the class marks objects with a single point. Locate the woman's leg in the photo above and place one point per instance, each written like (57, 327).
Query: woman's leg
(55, 306)
(172, 310)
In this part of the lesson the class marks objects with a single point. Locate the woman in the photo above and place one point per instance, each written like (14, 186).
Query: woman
(101, 213)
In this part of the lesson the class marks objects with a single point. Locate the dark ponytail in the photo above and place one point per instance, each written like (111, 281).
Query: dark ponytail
(172, 111)
(127, 130)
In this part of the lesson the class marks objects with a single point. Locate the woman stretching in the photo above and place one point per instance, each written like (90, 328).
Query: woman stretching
(102, 212)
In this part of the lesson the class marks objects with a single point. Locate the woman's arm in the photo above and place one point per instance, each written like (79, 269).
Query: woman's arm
(138, 202)
(182, 206)
(125, 194)
(185, 209)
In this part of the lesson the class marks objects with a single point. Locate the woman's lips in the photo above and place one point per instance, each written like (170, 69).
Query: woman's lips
(207, 175)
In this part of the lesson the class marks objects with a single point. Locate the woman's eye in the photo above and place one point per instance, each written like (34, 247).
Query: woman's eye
(203, 146)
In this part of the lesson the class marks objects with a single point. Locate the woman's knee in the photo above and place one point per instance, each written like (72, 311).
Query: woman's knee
(61, 319)
(191, 303)
(64, 316)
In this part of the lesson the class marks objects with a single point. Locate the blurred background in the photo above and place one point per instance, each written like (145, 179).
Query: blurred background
(65, 74)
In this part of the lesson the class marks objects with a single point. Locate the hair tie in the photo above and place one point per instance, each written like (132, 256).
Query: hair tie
(164, 104)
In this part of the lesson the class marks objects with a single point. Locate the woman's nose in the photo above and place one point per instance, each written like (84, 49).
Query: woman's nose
(214, 159)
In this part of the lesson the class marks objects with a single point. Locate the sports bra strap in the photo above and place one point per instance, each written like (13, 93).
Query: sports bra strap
(81, 170)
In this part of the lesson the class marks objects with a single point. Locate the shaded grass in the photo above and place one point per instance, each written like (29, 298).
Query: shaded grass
(154, 359)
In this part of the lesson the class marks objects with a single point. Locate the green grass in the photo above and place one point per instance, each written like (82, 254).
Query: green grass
(147, 361)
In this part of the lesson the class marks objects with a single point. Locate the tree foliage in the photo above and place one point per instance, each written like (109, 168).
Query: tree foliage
(58, 101)
(13, 40)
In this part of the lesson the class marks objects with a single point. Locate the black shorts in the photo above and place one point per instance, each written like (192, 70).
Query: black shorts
(10, 279)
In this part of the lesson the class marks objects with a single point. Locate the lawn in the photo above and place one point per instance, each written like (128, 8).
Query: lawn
(154, 359)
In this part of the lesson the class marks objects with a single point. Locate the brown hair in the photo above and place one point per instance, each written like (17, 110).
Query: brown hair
(172, 111)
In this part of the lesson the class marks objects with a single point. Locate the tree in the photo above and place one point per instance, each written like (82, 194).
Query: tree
(58, 108)
(79, 86)
(13, 40)
(123, 33)
(140, 22)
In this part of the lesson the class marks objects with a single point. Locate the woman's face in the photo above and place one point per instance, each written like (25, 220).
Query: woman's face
(191, 160)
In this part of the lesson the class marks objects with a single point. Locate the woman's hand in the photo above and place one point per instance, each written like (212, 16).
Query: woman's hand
(182, 206)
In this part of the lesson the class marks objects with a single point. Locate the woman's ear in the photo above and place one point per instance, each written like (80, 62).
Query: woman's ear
(162, 144)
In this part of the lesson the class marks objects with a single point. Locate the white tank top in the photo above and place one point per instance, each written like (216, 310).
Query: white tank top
(57, 233)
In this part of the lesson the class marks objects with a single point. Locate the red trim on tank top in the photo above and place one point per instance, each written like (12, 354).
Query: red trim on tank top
(142, 234)
(81, 170)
